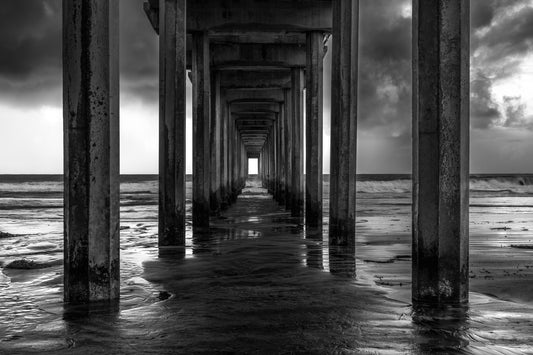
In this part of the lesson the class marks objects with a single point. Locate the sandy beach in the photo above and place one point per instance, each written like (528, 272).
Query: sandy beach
(257, 281)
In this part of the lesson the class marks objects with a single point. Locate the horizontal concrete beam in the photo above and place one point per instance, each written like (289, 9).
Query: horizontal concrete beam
(253, 96)
(263, 106)
(254, 15)
(253, 112)
(252, 56)
(290, 55)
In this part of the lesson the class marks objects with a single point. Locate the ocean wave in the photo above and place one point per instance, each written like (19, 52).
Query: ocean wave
(41, 187)
(497, 184)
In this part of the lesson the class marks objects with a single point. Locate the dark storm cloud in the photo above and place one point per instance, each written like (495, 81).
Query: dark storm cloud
(139, 53)
(30, 47)
(502, 35)
(483, 108)
(30, 60)
(30, 33)
(511, 35)
(515, 113)
(385, 66)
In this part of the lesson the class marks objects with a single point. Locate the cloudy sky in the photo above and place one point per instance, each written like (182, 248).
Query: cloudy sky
(501, 102)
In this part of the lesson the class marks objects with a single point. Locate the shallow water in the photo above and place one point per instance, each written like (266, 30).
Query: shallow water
(257, 281)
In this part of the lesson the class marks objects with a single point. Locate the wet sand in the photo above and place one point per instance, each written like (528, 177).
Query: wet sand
(258, 282)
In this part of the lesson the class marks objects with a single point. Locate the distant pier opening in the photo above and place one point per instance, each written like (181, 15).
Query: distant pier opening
(253, 166)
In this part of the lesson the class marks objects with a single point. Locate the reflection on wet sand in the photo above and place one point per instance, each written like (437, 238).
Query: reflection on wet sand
(440, 329)
(257, 281)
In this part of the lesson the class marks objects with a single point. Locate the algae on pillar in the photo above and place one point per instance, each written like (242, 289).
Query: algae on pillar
(91, 150)
(440, 150)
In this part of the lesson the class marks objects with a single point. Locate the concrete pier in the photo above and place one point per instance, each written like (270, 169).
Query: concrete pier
(172, 136)
(201, 122)
(250, 63)
(343, 122)
(91, 150)
(440, 150)
(314, 131)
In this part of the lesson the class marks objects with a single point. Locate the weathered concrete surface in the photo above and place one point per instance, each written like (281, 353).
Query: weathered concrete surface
(314, 96)
(172, 134)
(297, 76)
(344, 122)
(254, 54)
(253, 15)
(440, 150)
(201, 121)
(260, 79)
(283, 154)
(224, 203)
(288, 147)
(91, 148)
(214, 143)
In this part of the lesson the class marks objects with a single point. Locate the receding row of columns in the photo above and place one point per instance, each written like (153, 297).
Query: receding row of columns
(440, 141)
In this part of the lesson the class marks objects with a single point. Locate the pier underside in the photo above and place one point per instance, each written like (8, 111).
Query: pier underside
(256, 69)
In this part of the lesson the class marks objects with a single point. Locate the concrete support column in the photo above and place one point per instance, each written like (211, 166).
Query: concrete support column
(229, 187)
(223, 151)
(344, 123)
(201, 121)
(91, 150)
(214, 139)
(275, 148)
(172, 136)
(297, 83)
(288, 148)
(283, 155)
(235, 165)
(314, 97)
(440, 150)
(271, 161)
(240, 164)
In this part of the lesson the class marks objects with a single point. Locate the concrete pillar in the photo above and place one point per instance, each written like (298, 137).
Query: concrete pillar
(283, 155)
(440, 150)
(275, 151)
(223, 151)
(172, 136)
(238, 172)
(314, 97)
(229, 187)
(214, 139)
(201, 121)
(343, 122)
(271, 162)
(297, 83)
(91, 150)
(288, 148)
(235, 161)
